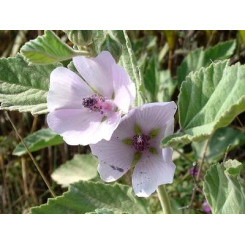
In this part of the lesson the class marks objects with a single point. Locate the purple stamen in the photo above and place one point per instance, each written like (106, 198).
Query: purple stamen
(93, 102)
(89, 102)
(98, 103)
(141, 142)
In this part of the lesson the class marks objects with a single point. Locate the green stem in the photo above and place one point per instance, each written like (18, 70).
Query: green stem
(163, 197)
(31, 156)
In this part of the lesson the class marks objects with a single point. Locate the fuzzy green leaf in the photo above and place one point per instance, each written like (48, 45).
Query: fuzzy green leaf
(81, 167)
(79, 37)
(151, 77)
(202, 58)
(113, 46)
(24, 87)
(222, 140)
(167, 86)
(233, 167)
(87, 197)
(37, 141)
(98, 37)
(209, 99)
(225, 193)
(47, 49)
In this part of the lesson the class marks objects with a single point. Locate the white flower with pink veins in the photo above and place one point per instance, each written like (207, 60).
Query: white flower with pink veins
(85, 108)
(136, 143)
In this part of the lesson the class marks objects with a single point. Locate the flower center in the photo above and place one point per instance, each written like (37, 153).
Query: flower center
(89, 102)
(141, 142)
(98, 104)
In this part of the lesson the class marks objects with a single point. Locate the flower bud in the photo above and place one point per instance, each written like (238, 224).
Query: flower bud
(113, 47)
(80, 38)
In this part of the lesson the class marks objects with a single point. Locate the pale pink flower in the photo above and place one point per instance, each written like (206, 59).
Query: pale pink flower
(85, 108)
(136, 143)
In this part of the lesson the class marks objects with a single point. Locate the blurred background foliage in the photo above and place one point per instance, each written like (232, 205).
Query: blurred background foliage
(165, 58)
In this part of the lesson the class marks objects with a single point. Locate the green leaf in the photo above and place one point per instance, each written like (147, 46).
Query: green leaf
(202, 58)
(209, 99)
(24, 87)
(86, 197)
(159, 84)
(223, 139)
(81, 167)
(242, 35)
(47, 49)
(171, 38)
(113, 47)
(167, 86)
(79, 37)
(225, 193)
(151, 77)
(37, 141)
(233, 167)
(98, 37)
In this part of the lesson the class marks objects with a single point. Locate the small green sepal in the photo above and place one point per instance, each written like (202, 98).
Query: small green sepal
(137, 157)
(137, 129)
(153, 150)
(127, 141)
(154, 133)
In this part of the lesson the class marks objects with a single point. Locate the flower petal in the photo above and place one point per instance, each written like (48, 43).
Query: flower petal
(108, 126)
(170, 128)
(152, 171)
(115, 158)
(66, 90)
(81, 126)
(97, 72)
(124, 88)
(155, 115)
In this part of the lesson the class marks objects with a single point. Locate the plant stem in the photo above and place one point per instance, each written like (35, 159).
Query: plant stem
(163, 197)
(198, 175)
(31, 156)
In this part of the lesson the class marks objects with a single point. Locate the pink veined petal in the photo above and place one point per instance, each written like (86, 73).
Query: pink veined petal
(126, 127)
(168, 129)
(66, 90)
(108, 126)
(155, 115)
(115, 158)
(124, 88)
(80, 126)
(152, 171)
(97, 72)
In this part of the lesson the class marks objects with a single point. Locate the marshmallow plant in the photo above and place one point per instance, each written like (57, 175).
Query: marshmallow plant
(94, 94)
(86, 108)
